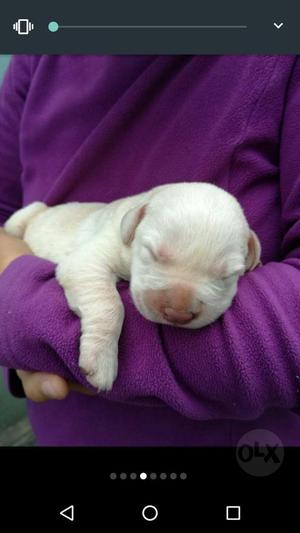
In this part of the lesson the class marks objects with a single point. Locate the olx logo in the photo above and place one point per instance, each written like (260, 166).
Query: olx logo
(260, 452)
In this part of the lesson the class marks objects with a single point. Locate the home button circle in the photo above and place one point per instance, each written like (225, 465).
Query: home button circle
(150, 513)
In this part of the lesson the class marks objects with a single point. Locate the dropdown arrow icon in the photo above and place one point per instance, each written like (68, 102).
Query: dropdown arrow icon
(278, 26)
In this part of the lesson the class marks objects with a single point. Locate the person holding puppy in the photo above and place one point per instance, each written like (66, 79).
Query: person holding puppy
(95, 129)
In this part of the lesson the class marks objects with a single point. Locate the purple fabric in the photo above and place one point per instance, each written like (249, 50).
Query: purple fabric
(99, 128)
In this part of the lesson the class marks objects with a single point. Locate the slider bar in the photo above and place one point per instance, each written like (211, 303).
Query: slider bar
(239, 27)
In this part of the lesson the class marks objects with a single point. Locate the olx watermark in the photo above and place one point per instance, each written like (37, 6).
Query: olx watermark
(260, 452)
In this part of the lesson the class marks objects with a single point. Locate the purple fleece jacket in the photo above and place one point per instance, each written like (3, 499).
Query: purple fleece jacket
(99, 128)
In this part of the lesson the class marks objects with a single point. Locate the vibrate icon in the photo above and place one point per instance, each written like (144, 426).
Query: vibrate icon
(23, 26)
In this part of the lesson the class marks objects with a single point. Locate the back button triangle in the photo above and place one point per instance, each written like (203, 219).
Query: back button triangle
(68, 513)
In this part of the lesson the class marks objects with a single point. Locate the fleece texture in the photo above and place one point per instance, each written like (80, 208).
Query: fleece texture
(99, 128)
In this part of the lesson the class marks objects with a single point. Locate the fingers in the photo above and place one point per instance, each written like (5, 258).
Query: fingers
(41, 386)
(11, 248)
(79, 388)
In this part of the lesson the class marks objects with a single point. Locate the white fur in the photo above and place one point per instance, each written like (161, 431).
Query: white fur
(202, 228)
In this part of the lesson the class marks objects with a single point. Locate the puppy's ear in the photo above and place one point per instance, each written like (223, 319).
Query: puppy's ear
(254, 251)
(130, 222)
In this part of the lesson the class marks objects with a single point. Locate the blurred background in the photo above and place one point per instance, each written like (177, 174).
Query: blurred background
(4, 60)
(14, 426)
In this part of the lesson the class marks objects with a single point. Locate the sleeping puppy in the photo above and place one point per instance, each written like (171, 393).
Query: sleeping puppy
(183, 247)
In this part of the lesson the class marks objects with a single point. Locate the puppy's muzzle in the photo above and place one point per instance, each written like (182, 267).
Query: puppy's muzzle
(175, 305)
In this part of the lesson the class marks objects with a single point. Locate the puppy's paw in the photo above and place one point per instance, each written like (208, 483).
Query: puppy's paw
(99, 364)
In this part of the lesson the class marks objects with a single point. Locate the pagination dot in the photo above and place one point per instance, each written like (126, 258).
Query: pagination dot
(143, 475)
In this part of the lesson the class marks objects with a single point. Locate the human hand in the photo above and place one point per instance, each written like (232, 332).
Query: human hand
(42, 386)
(11, 248)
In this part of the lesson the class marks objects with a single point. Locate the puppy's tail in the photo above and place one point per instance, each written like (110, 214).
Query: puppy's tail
(17, 223)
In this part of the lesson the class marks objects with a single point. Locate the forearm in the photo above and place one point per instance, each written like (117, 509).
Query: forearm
(235, 368)
(38, 331)
(238, 367)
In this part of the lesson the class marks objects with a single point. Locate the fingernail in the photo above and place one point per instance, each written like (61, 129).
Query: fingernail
(51, 390)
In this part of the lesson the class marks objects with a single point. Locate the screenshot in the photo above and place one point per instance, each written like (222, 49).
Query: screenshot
(149, 265)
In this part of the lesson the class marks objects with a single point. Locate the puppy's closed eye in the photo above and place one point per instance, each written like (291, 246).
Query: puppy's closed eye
(150, 252)
(230, 276)
(162, 255)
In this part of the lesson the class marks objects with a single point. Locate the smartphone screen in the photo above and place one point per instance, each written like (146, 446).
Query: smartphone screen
(149, 264)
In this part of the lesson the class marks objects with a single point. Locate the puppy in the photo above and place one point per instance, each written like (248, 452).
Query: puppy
(182, 246)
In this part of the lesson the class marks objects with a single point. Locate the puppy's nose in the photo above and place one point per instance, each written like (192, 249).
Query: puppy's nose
(177, 317)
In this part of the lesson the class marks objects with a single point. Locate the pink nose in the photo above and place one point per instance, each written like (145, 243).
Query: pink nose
(177, 304)
(177, 317)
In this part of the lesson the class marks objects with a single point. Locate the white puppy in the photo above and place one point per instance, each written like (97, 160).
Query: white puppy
(182, 246)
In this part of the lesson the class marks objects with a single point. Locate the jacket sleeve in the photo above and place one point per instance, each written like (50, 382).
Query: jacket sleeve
(249, 360)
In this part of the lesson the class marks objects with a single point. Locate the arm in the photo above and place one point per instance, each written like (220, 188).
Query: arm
(12, 100)
(250, 359)
(38, 386)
